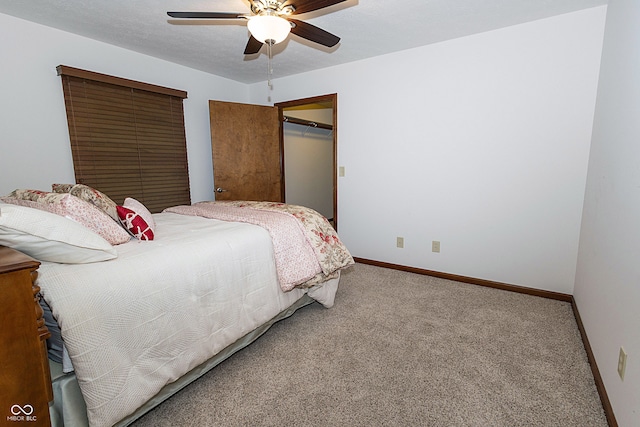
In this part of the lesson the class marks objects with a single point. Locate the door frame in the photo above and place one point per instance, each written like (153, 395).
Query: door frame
(333, 100)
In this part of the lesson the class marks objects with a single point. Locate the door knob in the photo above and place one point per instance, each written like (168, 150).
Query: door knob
(220, 190)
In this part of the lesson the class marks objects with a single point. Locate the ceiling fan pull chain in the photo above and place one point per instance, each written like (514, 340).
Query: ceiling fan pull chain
(269, 67)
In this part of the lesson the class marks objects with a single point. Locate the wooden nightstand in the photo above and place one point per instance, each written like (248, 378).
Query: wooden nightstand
(25, 385)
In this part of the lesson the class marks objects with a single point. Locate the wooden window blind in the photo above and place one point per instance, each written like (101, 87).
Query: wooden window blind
(127, 138)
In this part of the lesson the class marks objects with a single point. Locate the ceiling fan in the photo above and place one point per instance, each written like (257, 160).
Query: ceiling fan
(269, 22)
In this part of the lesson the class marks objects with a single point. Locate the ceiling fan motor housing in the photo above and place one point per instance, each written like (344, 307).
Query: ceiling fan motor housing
(269, 7)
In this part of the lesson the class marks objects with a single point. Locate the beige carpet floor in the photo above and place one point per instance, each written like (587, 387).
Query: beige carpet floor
(401, 349)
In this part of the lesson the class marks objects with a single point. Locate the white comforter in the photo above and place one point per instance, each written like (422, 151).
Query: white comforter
(135, 323)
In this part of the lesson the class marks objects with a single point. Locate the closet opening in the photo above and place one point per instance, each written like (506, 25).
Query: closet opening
(309, 147)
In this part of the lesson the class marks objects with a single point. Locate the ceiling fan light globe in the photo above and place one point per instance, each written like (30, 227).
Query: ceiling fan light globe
(268, 27)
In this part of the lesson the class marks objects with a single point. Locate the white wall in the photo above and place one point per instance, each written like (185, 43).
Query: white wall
(481, 143)
(607, 288)
(34, 140)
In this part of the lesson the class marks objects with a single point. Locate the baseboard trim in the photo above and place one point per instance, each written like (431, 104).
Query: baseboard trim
(471, 280)
(602, 391)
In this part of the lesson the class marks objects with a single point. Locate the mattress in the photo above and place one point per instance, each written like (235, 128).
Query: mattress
(162, 308)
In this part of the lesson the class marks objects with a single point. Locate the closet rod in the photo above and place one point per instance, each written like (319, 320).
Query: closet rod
(297, 121)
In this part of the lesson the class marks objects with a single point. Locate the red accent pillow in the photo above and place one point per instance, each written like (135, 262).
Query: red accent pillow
(135, 223)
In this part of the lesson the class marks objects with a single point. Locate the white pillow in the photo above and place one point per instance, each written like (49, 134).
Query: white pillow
(46, 236)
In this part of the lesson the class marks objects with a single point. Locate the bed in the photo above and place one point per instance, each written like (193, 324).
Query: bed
(153, 316)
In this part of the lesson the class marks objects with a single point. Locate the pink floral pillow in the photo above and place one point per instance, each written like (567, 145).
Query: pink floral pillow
(73, 208)
(25, 194)
(91, 195)
(61, 188)
(136, 218)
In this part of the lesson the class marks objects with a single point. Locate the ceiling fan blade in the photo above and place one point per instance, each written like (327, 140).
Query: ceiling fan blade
(304, 6)
(253, 46)
(313, 33)
(207, 15)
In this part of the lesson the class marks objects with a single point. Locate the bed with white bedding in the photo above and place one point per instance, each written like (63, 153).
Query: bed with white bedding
(161, 313)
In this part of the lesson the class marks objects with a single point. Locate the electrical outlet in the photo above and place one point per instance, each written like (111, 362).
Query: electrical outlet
(400, 242)
(622, 363)
(435, 246)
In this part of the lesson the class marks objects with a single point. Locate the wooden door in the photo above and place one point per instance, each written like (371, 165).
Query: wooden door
(247, 159)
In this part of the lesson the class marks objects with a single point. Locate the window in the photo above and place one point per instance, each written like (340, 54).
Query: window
(127, 138)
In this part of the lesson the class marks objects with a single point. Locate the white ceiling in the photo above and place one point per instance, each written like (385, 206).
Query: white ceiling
(367, 28)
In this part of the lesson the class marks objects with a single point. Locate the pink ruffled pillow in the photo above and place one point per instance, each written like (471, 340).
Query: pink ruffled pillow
(136, 218)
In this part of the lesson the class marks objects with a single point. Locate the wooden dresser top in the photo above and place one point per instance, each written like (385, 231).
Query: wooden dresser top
(13, 260)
